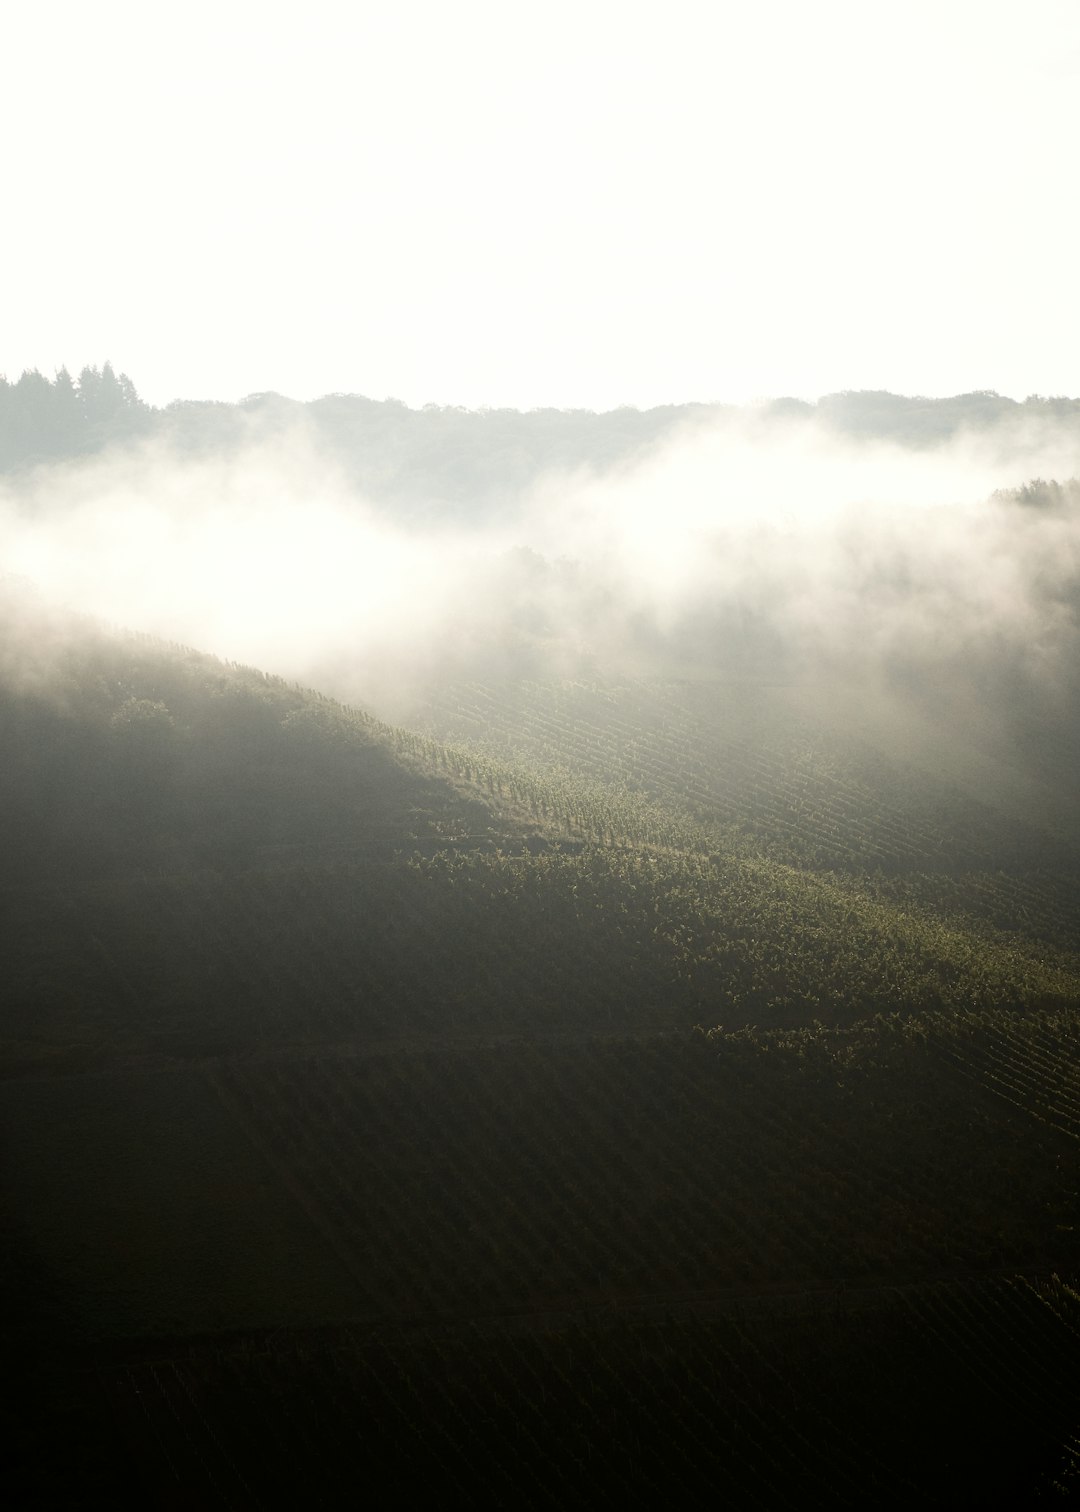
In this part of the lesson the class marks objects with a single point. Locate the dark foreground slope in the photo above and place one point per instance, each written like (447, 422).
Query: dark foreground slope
(356, 1130)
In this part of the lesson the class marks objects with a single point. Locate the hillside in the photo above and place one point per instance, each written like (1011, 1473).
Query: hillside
(570, 1098)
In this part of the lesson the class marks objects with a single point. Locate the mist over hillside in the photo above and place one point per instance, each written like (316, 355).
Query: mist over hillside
(532, 942)
(914, 561)
(540, 916)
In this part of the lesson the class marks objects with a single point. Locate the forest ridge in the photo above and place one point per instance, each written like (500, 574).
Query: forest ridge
(446, 452)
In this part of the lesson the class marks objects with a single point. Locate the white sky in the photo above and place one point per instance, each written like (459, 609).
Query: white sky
(585, 203)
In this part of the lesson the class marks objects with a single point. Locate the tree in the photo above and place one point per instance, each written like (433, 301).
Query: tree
(68, 424)
(111, 407)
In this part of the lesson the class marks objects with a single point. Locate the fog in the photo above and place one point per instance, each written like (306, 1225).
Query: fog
(748, 545)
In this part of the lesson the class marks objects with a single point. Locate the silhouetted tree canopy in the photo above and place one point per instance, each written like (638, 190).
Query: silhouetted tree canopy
(43, 421)
(1043, 493)
(450, 461)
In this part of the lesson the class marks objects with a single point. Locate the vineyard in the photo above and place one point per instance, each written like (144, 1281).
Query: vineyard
(484, 942)
(938, 1395)
(760, 772)
(596, 1093)
(520, 1177)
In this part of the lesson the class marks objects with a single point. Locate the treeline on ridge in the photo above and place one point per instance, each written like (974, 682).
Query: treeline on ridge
(447, 456)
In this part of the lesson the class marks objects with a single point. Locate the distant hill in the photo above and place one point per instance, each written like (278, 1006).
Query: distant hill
(445, 461)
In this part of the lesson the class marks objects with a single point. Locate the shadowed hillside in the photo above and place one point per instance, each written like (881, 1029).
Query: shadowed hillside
(366, 1082)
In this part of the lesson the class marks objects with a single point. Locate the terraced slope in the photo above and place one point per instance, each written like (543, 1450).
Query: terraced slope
(764, 1409)
(356, 1130)
(814, 1268)
(812, 762)
(796, 776)
(198, 856)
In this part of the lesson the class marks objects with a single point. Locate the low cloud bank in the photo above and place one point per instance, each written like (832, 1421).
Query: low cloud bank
(753, 546)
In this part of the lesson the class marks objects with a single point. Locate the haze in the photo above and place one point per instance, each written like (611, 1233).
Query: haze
(589, 207)
(569, 205)
(754, 544)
